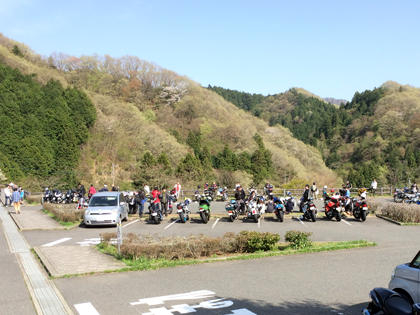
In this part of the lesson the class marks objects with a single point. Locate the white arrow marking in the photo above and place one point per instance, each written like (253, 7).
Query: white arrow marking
(183, 296)
(57, 242)
(86, 309)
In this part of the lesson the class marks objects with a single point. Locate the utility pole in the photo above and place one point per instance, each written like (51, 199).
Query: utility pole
(285, 178)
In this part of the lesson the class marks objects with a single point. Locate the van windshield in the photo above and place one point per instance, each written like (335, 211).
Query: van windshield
(104, 201)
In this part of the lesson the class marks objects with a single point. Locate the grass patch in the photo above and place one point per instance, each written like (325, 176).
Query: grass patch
(66, 224)
(142, 262)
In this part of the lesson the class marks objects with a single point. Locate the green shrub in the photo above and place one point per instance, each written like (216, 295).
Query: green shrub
(252, 241)
(405, 213)
(298, 239)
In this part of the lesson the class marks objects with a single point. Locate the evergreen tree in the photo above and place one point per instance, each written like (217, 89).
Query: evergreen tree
(148, 159)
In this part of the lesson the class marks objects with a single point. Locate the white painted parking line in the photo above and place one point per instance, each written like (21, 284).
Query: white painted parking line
(90, 241)
(171, 224)
(86, 309)
(301, 221)
(57, 242)
(130, 223)
(346, 222)
(259, 224)
(215, 223)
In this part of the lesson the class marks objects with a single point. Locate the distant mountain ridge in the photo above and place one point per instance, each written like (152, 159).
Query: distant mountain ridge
(335, 101)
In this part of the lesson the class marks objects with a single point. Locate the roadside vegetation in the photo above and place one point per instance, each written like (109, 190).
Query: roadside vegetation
(403, 213)
(66, 215)
(144, 252)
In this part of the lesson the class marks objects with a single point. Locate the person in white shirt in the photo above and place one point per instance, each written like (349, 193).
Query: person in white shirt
(8, 196)
(373, 187)
(177, 189)
(146, 189)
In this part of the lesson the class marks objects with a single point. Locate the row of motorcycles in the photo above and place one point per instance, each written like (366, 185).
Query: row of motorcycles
(56, 196)
(255, 205)
(407, 196)
(336, 205)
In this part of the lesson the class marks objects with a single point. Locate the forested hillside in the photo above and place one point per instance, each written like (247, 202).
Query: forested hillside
(158, 127)
(375, 135)
(42, 127)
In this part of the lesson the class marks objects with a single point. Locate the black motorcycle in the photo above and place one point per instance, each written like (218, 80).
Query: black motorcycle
(233, 209)
(311, 210)
(155, 213)
(389, 302)
(47, 196)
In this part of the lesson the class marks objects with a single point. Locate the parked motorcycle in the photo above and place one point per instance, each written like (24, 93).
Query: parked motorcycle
(333, 208)
(155, 213)
(172, 194)
(183, 210)
(222, 193)
(204, 208)
(57, 196)
(255, 208)
(47, 196)
(410, 198)
(389, 302)
(68, 197)
(233, 210)
(311, 210)
(279, 208)
(360, 209)
(398, 196)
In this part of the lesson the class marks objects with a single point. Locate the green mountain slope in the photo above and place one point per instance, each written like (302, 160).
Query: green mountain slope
(143, 108)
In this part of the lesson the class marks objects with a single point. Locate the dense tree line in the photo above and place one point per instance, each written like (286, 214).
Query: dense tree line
(246, 101)
(42, 126)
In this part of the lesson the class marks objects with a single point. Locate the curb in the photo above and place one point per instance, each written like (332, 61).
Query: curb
(44, 261)
(390, 220)
(34, 229)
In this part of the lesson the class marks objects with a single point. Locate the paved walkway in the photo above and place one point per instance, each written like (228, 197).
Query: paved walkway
(47, 300)
(66, 260)
(32, 218)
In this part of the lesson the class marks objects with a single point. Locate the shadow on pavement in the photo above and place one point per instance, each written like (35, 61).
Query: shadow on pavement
(304, 307)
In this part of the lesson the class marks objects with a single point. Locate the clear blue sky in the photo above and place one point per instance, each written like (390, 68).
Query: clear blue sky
(331, 48)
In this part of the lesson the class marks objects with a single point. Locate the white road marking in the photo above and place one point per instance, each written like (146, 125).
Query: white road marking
(90, 241)
(57, 242)
(86, 309)
(346, 222)
(130, 223)
(215, 223)
(259, 224)
(171, 224)
(301, 221)
(183, 296)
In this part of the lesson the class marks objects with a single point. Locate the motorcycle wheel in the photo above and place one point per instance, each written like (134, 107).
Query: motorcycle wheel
(280, 216)
(169, 211)
(182, 217)
(363, 216)
(395, 199)
(338, 216)
(356, 214)
(232, 218)
(203, 217)
(136, 209)
(313, 216)
(156, 219)
(255, 217)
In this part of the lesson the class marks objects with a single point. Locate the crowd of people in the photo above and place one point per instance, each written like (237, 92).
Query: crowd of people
(14, 194)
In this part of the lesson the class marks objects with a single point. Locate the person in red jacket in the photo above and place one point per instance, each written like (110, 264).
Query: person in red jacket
(156, 200)
(92, 191)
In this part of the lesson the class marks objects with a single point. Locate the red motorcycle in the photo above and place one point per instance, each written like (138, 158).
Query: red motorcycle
(333, 208)
(360, 209)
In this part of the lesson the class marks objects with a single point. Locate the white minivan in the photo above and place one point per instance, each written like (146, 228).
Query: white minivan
(106, 208)
(405, 279)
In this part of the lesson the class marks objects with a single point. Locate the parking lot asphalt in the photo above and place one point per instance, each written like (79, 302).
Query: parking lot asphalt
(321, 283)
(323, 229)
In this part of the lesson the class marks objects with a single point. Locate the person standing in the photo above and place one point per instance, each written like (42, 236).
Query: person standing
(146, 189)
(155, 200)
(213, 190)
(373, 187)
(313, 190)
(164, 201)
(105, 188)
(240, 199)
(349, 185)
(8, 196)
(22, 194)
(92, 191)
(177, 190)
(113, 188)
(16, 200)
(141, 199)
(305, 199)
(237, 185)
